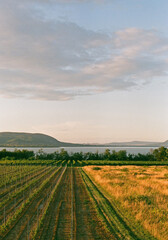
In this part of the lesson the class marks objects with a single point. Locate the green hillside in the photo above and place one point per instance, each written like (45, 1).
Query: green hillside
(15, 139)
(20, 139)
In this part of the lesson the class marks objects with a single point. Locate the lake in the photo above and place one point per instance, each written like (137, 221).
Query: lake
(132, 150)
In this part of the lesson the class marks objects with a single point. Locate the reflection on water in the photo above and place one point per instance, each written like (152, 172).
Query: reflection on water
(133, 150)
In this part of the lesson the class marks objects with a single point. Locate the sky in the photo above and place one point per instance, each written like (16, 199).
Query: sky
(85, 71)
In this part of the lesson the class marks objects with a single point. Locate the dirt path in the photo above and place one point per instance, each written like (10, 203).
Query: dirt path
(89, 226)
(72, 214)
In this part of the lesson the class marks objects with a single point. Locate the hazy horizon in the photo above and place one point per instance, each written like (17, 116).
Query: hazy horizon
(146, 141)
(85, 71)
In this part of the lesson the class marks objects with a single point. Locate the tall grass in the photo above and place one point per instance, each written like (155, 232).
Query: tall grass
(142, 191)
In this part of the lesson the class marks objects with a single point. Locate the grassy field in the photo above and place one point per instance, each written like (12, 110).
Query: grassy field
(141, 191)
(49, 202)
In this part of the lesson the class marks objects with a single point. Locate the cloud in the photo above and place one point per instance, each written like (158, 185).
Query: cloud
(54, 60)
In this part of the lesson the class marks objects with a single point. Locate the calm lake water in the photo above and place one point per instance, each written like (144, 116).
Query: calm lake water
(133, 150)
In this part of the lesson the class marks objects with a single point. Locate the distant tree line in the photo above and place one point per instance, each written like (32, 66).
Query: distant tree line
(160, 154)
(17, 154)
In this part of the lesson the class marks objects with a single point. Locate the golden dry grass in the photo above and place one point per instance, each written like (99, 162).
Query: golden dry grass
(141, 190)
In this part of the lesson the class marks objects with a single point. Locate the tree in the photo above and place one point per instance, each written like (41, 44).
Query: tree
(122, 155)
(64, 154)
(107, 154)
(161, 154)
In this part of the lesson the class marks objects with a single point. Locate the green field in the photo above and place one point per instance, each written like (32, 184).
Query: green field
(50, 202)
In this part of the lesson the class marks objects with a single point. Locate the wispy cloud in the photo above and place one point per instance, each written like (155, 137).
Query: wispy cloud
(55, 60)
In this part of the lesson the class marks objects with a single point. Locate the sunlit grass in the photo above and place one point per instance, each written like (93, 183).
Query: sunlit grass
(143, 191)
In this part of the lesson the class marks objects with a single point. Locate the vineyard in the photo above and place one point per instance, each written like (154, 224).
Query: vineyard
(50, 202)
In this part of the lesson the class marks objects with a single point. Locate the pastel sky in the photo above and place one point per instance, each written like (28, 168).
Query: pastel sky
(87, 71)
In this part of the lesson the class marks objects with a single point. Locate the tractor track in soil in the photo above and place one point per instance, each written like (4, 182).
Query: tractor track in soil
(72, 215)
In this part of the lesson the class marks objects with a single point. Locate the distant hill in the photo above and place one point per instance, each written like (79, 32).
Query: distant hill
(17, 139)
(138, 144)
(20, 139)
(165, 144)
